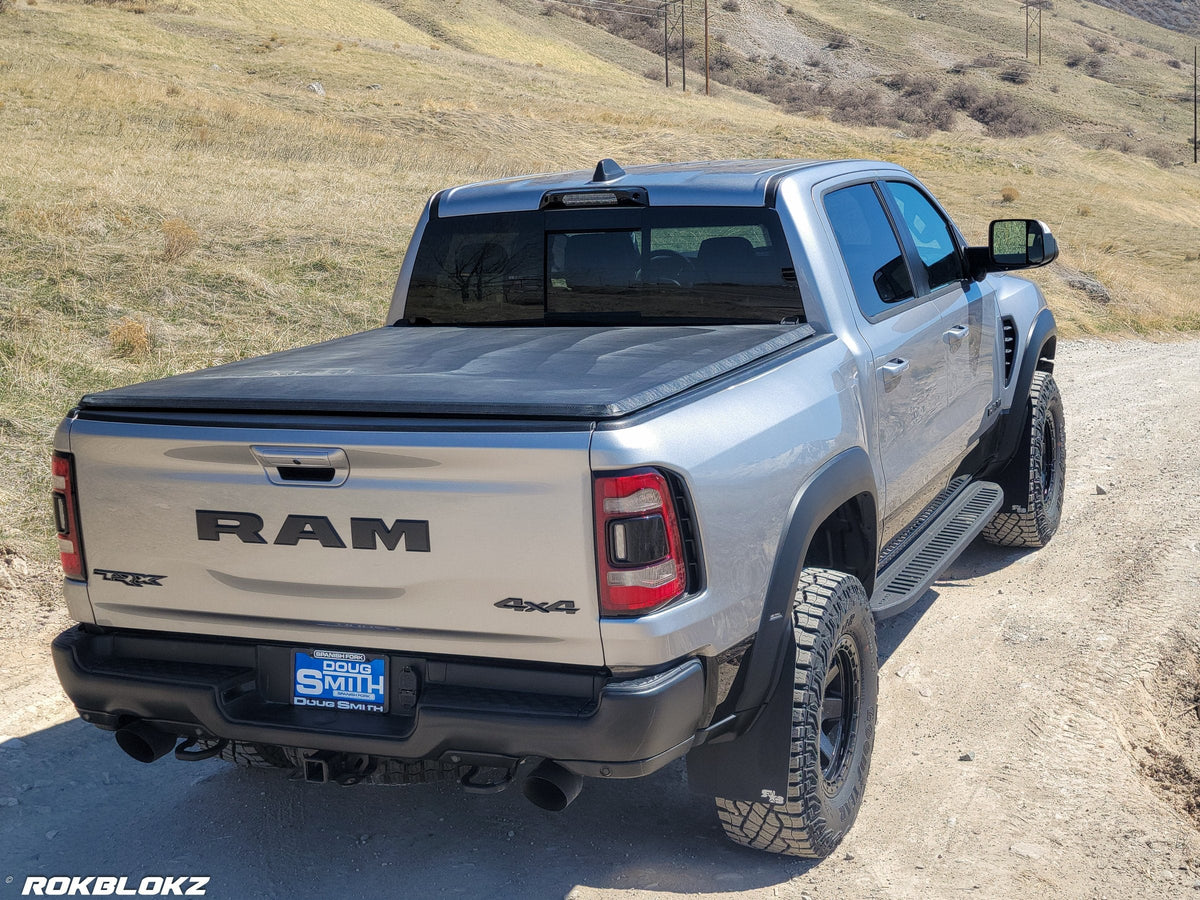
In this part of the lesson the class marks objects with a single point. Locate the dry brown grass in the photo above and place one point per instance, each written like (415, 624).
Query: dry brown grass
(130, 338)
(179, 238)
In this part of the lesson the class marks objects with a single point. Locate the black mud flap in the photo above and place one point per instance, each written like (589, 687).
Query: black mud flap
(752, 765)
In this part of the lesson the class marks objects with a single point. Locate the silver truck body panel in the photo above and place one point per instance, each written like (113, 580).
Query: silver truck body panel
(1020, 299)
(745, 453)
(508, 514)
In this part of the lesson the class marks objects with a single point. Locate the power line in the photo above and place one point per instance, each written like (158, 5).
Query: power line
(655, 12)
(643, 12)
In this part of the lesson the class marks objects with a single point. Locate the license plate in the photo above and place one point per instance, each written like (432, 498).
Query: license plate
(339, 679)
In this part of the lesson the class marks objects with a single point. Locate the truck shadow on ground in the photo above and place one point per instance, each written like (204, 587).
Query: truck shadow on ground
(83, 807)
(980, 558)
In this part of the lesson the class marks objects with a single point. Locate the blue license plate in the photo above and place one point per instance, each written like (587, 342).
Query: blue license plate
(339, 679)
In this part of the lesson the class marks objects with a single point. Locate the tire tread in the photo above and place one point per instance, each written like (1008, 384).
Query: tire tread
(824, 599)
(1028, 523)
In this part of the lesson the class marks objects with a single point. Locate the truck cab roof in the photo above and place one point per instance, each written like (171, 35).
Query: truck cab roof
(744, 182)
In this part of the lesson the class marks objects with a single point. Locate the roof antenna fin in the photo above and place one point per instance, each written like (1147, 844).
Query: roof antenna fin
(606, 170)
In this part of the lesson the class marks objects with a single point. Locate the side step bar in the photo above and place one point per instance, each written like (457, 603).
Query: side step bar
(910, 571)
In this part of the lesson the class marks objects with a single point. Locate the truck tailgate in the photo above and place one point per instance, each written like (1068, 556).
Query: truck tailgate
(410, 543)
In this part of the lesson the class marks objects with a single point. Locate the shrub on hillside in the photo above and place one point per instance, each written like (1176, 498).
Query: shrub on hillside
(839, 40)
(1016, 73)
(914, 117)
(1004, 116)
(855, 105)
(721, 60)
(963, 95)
(1162, 154)
(137, 7)
(731, 6)
(917, 87)
(941, 115)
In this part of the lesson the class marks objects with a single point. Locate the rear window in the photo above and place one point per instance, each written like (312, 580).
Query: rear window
(642, 265)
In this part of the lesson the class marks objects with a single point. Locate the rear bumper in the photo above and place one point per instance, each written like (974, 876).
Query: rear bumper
(585, 720)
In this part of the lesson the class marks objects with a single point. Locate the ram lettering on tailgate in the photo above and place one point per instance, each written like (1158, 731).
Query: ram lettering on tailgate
(365, 534)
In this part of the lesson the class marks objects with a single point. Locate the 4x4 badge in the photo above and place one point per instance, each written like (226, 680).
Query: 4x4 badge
(518, 605)
(133, 579)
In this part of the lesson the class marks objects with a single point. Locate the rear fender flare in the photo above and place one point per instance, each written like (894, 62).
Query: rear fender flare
(750, 754)
(843, 477)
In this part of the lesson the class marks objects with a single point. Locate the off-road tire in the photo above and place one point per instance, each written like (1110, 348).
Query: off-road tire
(1030, 519)
(255, 756)
(833, 623)
(419, 771)
(385, 771)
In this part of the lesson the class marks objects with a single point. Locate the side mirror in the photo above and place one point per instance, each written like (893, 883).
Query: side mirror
(1014, 244)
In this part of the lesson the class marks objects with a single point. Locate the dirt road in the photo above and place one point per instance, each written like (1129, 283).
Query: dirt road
(1021, 703)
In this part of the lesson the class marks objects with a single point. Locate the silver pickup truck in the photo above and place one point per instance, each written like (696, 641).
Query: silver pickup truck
(630, 473)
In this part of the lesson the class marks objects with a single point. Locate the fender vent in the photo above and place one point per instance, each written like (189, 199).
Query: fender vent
(1010, 347)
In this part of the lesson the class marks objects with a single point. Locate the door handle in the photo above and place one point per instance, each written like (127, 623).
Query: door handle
(953, 335)
(892, 370)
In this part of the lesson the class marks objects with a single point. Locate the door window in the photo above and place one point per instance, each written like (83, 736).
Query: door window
(869, 248)
(935, 246)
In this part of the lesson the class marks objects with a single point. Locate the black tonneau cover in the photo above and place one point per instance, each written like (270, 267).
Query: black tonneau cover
(574, 373)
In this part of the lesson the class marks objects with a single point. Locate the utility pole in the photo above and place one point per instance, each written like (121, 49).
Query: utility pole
(1033, 13)
(1195, 108)
(706, 91)
(666, 62)
(683, 40)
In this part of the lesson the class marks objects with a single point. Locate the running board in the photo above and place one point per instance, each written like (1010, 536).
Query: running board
(911, 571)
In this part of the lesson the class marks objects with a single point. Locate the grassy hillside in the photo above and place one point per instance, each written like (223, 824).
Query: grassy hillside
(184, 183)
(1177, 14)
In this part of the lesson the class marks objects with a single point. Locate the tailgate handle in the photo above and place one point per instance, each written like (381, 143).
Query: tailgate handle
(310, 466)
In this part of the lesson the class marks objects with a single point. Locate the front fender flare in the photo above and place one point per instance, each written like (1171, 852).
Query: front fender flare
(1011, 427)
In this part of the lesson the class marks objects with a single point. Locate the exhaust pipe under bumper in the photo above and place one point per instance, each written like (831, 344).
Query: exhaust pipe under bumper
(551, 787)
(145, 743)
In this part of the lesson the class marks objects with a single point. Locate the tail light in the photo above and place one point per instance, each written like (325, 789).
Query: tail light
(66, 517)
(639, 549)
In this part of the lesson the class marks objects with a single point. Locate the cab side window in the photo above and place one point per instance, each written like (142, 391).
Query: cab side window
(935, 246)
(869, 248)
